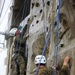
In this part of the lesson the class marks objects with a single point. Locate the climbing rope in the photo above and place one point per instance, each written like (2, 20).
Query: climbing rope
(45, 46)
(59, 4)
(2, 8)
(20, 35)
(57, 36)
(26, 52)
(44, 21)
(15, 21)
(19, 27)
(57, 32)
(26, 43)
(49, 35)
(18, 46)
(5, 12)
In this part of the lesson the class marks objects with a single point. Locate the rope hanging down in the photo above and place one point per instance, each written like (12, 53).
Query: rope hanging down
(57, 32)
(46, 44)
(16, 19)
(19, 27)
(59, 4)
(44, 20)
(2, 8)
(57, 36)
(5, 12)
(49, 35)
(22, 23)
(18, 47)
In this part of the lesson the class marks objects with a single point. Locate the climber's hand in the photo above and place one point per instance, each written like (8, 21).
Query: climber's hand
(66, 60)
(57, 67)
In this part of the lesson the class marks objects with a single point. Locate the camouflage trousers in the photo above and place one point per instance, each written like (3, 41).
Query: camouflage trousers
(18, 65)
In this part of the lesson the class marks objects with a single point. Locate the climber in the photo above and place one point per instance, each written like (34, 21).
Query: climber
(43, 70)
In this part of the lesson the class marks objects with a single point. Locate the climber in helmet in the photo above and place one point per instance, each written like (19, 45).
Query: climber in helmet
(43, 70)
(40, 59)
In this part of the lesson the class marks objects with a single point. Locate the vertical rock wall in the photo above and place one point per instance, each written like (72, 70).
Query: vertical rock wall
(39, 23)
(36, 32)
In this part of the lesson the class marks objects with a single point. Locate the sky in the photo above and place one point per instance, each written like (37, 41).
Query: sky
(3, 27)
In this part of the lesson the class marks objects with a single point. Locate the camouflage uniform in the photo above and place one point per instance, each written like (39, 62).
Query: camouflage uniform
(65, 70)
(18, 65)
(45, 71)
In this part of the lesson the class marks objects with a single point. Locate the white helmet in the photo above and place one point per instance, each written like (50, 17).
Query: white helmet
(40, 59)
(12, 31)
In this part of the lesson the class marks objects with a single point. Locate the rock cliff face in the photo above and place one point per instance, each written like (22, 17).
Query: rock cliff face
(39, 22)
(43, 23)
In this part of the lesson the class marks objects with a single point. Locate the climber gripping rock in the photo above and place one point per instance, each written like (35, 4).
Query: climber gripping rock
(41, 69)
